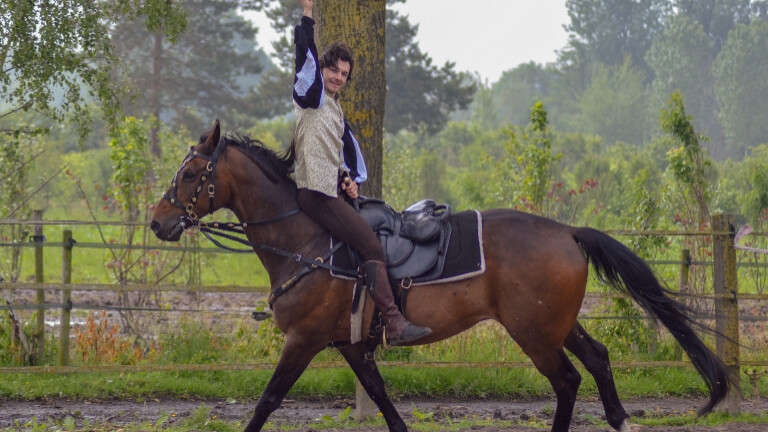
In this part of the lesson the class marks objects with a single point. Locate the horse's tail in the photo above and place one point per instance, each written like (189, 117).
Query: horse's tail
(623, 270)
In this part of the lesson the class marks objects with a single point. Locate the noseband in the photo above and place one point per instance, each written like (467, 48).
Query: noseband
(210, 172)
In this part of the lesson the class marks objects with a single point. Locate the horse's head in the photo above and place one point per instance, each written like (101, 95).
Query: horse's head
(205, 182)
(192, 191)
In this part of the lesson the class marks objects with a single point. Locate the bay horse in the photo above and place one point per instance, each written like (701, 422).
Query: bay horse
(534, 283)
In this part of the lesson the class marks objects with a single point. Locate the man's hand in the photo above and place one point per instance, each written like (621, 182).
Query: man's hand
(350, 189)
(307, 5)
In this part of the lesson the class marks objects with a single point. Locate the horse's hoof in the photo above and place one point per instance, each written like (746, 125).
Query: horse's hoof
(625, 427)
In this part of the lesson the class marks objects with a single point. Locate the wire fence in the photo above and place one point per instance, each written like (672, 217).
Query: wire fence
(727, 296)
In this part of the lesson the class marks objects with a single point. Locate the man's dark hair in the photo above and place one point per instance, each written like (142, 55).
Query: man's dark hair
(335, 52)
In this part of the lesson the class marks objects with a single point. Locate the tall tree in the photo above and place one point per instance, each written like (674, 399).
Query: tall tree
(608, 31)
(717, 17)
(681, 60)
(614, 105)
(518, 89)
(741, 69)
(360, 24)
(53, 50)
(195, 79)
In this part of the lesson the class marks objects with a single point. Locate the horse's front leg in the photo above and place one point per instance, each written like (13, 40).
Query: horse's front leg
(370, 378)
(297, 353)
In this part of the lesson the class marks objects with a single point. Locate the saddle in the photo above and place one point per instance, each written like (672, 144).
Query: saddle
(414, 241)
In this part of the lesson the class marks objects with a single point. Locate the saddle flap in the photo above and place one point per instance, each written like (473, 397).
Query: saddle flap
(396, 249)
(421, 260)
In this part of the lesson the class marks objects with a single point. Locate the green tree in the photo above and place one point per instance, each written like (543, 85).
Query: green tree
(754, 170)
(401, 167)
(483, 110)
(518, 89)
(691, 181)
(602, 34)
(523, 177)
(195, 78)
(613, 106)
(17, 155)
(681, 60)
(609, 31)
(55, 56)
(718, 17)
(688, 162)
(131, 195)
(613, 171)
(740, 71)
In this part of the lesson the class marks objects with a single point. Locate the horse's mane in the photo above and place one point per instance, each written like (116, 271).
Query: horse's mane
(281, 162)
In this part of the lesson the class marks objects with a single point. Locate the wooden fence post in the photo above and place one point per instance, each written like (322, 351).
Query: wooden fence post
(66, 297)
(37, 217)
(365, 408)
(727, 302)
(684, 288)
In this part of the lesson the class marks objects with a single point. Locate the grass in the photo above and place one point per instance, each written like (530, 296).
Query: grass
(91, 264)
(402, 382)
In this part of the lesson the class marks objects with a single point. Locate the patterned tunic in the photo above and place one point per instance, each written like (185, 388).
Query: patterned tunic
(324, 143)
(319, 146)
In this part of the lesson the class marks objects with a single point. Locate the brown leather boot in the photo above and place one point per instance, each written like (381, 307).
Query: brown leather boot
(399, 329)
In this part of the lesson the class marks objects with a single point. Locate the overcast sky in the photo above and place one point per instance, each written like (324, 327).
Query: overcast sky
(483, 36)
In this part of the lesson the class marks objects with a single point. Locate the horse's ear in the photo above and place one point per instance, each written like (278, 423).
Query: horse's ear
(213, 135)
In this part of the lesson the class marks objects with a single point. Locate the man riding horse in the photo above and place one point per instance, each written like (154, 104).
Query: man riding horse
(321, 141)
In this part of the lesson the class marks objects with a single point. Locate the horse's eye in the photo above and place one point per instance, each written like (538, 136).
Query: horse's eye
(188, 175)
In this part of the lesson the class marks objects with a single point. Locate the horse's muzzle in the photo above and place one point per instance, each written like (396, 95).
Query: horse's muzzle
(173, 232)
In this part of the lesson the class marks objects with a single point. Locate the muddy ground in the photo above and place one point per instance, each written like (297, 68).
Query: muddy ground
(306, 413)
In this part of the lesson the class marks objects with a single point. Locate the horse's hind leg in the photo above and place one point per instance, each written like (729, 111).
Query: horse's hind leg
(594, 356)
(293, 361)
(565, 380)
(370, 378)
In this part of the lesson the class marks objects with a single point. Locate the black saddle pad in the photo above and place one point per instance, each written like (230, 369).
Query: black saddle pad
(464, 257)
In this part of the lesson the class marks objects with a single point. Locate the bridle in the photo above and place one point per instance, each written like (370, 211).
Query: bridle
(191, 219)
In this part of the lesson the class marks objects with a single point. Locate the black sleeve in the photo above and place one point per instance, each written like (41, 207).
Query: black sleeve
(353, 156)
(308, 82)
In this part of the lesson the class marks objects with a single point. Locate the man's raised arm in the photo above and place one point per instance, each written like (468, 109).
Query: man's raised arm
(308, 82)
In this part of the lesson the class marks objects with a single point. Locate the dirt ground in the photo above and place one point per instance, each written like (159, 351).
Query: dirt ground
(303, 414)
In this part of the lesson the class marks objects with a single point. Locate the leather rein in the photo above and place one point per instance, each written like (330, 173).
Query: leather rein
(220, 229)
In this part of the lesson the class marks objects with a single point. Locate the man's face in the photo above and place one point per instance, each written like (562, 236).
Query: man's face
(334, 77)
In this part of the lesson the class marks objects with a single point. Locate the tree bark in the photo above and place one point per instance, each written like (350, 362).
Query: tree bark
(360, 24)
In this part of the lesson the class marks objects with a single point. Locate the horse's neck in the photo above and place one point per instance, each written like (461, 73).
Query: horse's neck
(297, 234)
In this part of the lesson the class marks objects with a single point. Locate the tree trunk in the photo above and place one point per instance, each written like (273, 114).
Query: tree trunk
(360, 24)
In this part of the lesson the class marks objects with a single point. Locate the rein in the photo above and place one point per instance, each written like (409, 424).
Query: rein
(312, 264)
(210, 229)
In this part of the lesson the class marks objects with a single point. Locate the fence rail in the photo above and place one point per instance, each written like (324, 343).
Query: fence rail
(726, 297)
